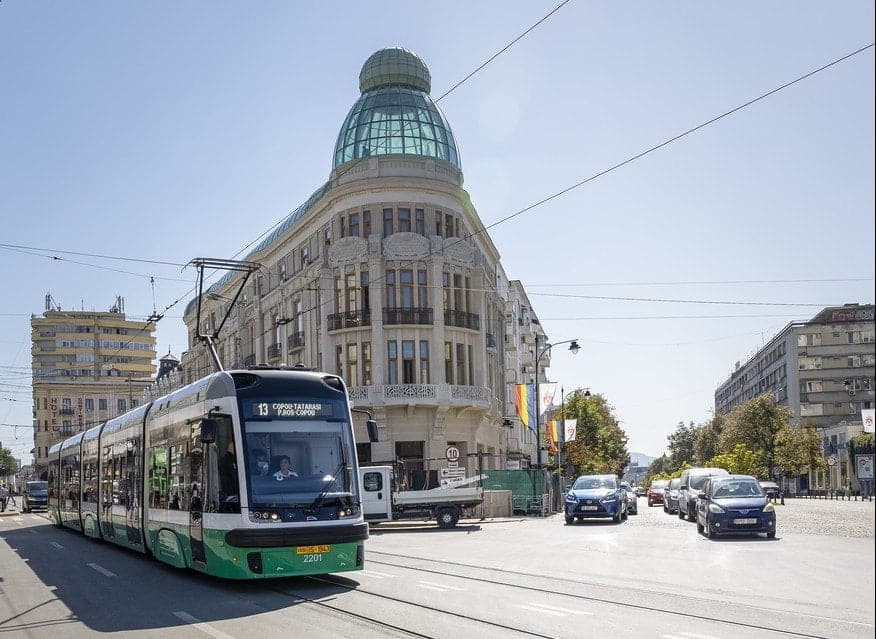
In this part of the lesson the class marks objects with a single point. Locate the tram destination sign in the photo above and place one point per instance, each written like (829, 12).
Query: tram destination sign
(268, 409)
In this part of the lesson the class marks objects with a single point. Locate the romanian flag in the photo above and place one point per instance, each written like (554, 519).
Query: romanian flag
(524, 400)
(552, 434)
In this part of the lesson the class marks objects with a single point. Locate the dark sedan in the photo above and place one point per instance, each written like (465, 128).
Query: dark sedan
(734, 504)
(593, 496)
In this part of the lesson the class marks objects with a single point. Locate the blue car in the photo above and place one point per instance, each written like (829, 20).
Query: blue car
(595, 496)
(734, 504)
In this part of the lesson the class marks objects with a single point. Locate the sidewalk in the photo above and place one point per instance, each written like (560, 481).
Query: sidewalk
(10, 510)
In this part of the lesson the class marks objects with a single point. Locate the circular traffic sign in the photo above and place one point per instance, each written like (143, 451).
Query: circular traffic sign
(452, 453)
(831, 461)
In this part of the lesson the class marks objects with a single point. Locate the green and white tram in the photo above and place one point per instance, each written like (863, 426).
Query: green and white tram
(242, 474)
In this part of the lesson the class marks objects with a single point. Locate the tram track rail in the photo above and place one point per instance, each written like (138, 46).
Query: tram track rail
(445, 568)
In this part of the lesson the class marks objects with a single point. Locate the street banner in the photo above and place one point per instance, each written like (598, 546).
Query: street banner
(864, 466)
(524, 400)
(868, 417)
(571, 430)
(546, 393)
(552, 434)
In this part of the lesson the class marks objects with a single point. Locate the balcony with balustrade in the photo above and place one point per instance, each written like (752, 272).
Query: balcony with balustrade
(295, 341)
(349, 319)
(454, 396)
(249, 360)
(406, 315)
(274, 351)
(461, 319)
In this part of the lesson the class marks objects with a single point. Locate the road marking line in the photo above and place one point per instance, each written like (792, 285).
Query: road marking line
(428, 587)
(559, 609)
(375, 574)
(101, 570)
(200, 625)
(56, 545)
(543, 610)
(697, 635)
(443, 586)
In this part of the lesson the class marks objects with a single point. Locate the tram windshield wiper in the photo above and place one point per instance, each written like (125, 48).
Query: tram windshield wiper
(342, 467)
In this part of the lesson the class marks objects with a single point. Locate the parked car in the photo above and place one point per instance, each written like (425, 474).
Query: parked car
(655, 492)
(593, 496)
(670, 496)
(36, 496)
(632, 498)
(771, 489)
(691, 482)
(734, 504)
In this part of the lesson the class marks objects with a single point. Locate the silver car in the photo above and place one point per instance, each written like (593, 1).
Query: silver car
(632, 498)
(670, 496)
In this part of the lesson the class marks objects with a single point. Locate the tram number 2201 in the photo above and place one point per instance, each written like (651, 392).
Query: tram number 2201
(311, 559)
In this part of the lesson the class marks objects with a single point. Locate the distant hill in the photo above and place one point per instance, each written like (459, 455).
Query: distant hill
(641, 459)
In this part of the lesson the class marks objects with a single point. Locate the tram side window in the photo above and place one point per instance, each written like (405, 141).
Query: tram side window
(89, 483)
(177, 494)
(106, 487)
(158, 478)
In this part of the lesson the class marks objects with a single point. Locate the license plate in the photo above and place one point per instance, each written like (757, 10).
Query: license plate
(589, 507)
(312, 550)
(746, 520)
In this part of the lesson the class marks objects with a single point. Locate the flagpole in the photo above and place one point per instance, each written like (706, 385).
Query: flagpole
(561, 436)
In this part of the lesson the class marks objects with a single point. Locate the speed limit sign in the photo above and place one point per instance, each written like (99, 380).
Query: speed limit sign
(452, 453)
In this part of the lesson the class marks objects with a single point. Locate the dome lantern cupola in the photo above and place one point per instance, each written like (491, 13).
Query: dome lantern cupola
(395, 115)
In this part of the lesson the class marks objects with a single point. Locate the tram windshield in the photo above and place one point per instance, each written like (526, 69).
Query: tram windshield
(298, 453)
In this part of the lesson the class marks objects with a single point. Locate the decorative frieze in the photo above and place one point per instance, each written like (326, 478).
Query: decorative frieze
(405, 246)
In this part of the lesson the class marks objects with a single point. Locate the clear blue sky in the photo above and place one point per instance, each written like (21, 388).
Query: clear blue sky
(171, 131)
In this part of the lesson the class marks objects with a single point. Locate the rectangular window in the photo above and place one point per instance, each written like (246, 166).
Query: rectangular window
(424, 362)
(352, 377)
(407, 288)
(343, 226)
(390, 289)
(439, 225)
(408, 363)
(420, 221)
(120, 404)
(422, 290)
(101, 404)
(363, 283)
(470, 362)
(445, 282)
(366, 363)
(460, 364)
(89, 404)
(404, 220)
(352, 292)
(392, 362)
(354, 225)
(339, 296)
(448, 363)
(458, 294)
(387, 222)
(366, 223)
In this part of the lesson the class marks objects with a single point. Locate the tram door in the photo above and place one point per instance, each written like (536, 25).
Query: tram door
(197, 497)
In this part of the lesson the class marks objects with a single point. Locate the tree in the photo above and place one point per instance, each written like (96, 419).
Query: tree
(740, 461)
(708, 437)
(798, 450)
(681, 445)
(600, 446)
(8, 464)
(756, 424)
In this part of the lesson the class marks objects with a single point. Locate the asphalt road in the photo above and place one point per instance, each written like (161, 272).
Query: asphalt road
(652, 576)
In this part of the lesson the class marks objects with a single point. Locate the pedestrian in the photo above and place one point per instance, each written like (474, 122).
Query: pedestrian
(4, 495)
(12, 497)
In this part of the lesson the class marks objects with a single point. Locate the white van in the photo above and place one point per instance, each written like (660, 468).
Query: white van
(691, 482)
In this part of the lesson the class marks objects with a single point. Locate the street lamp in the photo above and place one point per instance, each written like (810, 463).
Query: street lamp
(573, 346)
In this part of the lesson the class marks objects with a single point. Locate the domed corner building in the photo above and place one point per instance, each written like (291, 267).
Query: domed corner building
(386, 276)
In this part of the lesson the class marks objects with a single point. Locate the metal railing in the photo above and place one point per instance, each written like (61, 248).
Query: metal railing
(402, 315)
(295, 341)
(274, 350)
(349, 319)
(462, 319)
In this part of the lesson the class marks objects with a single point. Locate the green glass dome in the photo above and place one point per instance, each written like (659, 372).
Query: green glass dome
(395, 113)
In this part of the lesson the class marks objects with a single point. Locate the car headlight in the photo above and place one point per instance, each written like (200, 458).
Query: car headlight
(715, 508)
(609, 498)
(571, 497)
(768, 508)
